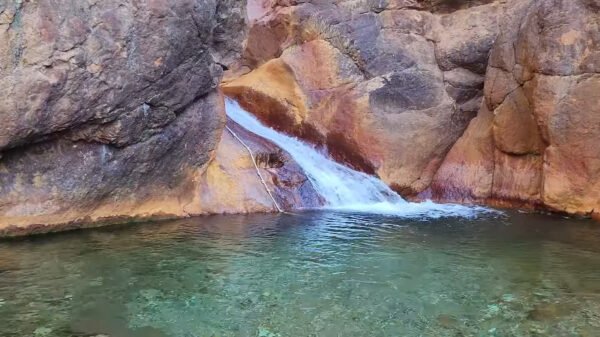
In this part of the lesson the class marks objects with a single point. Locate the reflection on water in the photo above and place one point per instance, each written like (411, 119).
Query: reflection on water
(309, 274)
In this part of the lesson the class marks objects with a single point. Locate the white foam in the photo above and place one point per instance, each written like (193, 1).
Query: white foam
(342, 188)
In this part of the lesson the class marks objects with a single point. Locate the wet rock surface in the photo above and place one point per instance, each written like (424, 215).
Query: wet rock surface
(231, 183)
(389, 88)
(385, 87)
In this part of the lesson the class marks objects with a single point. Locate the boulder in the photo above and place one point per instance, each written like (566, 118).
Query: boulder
(110, 109)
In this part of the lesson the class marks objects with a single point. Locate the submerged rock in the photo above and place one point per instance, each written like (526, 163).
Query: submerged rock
(265, 332)
(447, 321)
(42, 332)
(551, 311)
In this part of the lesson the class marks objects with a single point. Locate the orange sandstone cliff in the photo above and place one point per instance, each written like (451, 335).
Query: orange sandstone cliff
(111, 111)
(492, 102)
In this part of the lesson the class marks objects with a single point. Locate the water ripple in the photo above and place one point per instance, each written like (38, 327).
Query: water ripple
(325, 273)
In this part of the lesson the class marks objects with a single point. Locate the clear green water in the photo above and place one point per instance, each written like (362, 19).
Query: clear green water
(312, 274)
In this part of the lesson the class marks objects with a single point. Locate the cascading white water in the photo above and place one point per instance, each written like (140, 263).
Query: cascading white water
(341, 187)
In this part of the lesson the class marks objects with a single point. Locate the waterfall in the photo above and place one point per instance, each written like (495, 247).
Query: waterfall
(342, 188)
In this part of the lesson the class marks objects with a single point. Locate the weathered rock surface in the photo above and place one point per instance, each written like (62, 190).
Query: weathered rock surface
(387, 87)
(231, 183)
(535, 140)
(62, 182)
(109, 109)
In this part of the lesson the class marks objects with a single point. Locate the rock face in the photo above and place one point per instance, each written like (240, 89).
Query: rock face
(535, 139)
(109, 109)
(389, 87)
(231, 183)
(386, 86)
(112, 73)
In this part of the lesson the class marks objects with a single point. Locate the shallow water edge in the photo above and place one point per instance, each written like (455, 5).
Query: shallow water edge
(308, 274)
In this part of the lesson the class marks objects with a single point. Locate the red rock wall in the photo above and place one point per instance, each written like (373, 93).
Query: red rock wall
(386, 89)
(542, 135)
(391, 88)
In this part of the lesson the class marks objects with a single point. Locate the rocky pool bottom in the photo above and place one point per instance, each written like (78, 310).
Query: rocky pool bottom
(309, 274)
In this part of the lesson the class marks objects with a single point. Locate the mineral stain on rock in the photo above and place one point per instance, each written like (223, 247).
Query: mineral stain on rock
(113, 111)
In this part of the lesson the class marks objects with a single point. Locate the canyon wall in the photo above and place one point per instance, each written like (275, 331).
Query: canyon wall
(110, 111)
(391, 88)
(536, 139)
(386, 87)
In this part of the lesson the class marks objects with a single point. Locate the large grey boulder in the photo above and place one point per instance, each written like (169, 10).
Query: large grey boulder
(109, 109)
